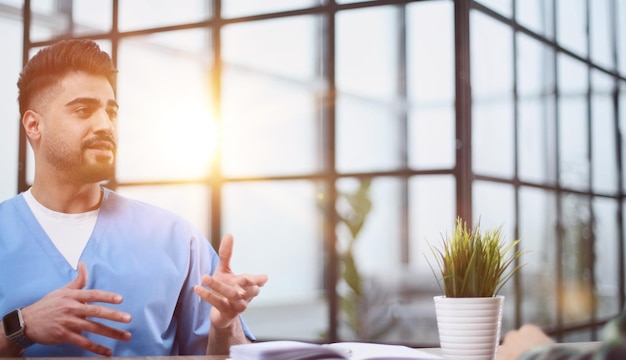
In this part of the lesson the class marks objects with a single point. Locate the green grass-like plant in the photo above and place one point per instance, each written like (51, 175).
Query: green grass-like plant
(473, 263)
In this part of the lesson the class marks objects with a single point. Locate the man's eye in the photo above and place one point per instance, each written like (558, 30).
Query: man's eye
(84, 112)
(112, 114)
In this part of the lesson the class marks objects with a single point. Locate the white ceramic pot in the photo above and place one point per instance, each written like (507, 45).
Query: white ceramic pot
(469, 328)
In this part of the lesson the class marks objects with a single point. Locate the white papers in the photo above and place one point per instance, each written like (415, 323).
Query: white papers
(371, 351)
(284, 350)
(296, 350)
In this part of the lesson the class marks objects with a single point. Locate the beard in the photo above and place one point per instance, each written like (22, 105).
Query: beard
(80, 166)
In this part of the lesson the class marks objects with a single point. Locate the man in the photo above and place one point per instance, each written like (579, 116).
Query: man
(85, 271)
(529, 342)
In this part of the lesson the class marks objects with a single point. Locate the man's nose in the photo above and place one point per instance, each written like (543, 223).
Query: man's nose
(103, 122)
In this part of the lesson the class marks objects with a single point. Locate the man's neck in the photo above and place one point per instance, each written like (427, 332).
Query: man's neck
(68, 198)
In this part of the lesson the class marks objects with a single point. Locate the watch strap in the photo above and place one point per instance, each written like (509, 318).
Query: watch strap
(21, 340)
(18, 337)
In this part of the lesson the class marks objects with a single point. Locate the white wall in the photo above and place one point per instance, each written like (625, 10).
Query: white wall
(10, 66)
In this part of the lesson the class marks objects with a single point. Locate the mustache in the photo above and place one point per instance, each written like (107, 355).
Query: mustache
(99, 140)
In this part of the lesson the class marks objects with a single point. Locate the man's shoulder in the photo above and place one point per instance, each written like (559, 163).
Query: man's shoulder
(11, 202)
(114, 202)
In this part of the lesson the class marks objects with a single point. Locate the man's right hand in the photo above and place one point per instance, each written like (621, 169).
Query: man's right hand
(517, 342)
(64, 314)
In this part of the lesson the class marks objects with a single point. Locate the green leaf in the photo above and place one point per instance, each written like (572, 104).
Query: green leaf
(475, 263)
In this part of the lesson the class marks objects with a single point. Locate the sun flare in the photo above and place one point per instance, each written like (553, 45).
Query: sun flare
(191, 136)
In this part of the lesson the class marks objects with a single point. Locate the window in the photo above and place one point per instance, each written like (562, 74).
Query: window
(262, 119)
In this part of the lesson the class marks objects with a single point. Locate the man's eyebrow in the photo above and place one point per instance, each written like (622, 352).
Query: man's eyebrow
(113, 103)
(92, 102)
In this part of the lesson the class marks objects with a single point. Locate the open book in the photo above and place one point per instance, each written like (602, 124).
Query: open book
(296, 350)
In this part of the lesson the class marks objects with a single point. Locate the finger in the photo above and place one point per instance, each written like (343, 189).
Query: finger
(220, 302)
(101, 312)
(83, 342)
(81, 279)
(247, 280)
(101, 329)
(93, 295)
(210, 296)
(220, 287)
(226, 252)
(231, 293)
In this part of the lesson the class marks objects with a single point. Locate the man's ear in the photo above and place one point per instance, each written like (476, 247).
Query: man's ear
(31, 122)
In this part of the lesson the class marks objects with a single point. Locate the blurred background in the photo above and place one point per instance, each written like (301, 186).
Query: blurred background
(304, 126)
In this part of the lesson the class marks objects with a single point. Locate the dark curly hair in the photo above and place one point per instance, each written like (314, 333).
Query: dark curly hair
(51, 64)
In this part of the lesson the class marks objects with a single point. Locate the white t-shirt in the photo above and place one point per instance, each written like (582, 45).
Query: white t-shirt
(68, 232)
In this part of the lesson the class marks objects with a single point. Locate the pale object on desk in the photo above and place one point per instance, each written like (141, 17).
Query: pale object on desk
(372, 351)
(296, 350)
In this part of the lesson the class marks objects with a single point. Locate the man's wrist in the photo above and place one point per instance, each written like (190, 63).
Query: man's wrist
(14, 328)
(7, 347)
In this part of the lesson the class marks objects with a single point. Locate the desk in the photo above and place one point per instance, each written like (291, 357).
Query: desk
(582, 346)
(181, 357)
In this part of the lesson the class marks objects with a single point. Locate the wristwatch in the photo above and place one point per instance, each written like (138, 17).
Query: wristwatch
(14, 326)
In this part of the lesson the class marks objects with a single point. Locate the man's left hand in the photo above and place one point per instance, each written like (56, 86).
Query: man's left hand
(229, 293)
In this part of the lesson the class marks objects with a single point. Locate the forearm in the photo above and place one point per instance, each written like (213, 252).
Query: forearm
(220, 340)
(7, 347)
(609, 350)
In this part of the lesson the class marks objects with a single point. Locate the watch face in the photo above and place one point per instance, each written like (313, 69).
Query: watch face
(11, 322)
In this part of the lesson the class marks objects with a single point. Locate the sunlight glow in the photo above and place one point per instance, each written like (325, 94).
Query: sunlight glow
(190, 134)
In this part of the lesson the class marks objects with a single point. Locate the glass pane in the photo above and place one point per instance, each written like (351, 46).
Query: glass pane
(491, 58)
(573, 130)
(374, 256)
(351, 1)
(535, 69)
(537, 240)
(492, 139)
(573, 144)
(14, 3)
(572, 77)
(604, 156)
(367, 136)
(73, 18)
(430, 79)
(10, 43)
(432, 207)
(493, 207)
(192, 202)
(234, 8)
(92, 17)
(166, 130)
(432, 138)
(366, 50)
(432, 212)
(601, 33)
(430, 85)
(571, 23)
(622, 127)
(492, 86)
(283, 47)
(48, 20)
(536, 15)
(606, 235)
(621, 29)
(140, 14)
(576, 258)
(271, 218)
(503, 7)
(377, 255)
(270, 122)
(536, 140)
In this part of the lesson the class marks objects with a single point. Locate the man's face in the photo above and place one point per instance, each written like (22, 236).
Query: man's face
(79, 128)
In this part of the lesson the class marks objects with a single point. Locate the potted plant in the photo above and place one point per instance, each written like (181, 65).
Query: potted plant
(473, 265)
